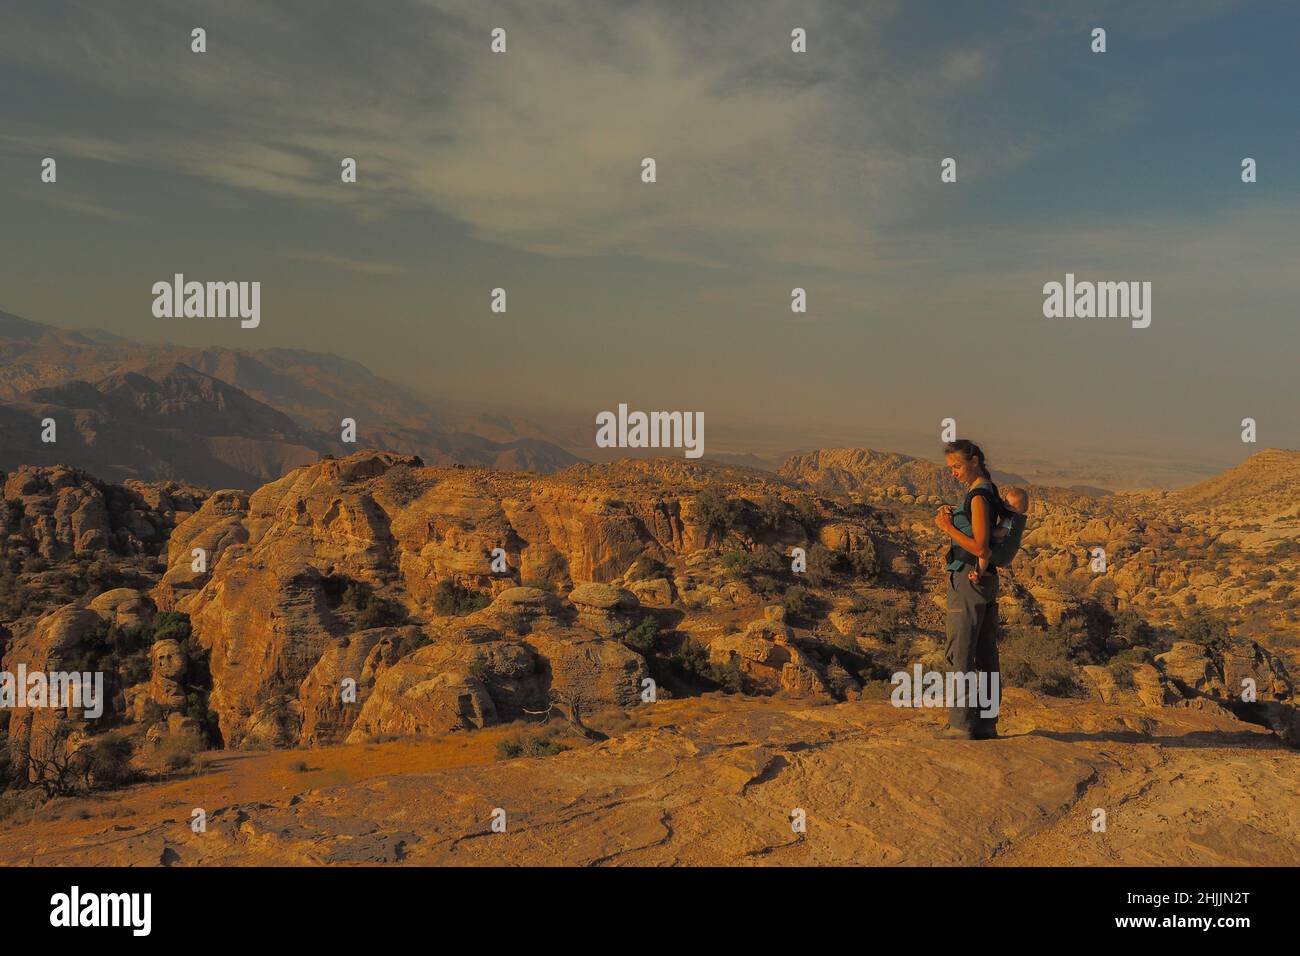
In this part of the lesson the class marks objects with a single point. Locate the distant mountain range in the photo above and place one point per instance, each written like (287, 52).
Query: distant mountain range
(221, 417)
(860, 469)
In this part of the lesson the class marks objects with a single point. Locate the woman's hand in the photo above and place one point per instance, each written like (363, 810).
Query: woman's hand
(943, 520)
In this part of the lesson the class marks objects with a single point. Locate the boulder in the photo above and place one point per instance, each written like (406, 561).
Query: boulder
(1144, 686)
(607, 610)
(125, 607)
(1192, 668)
(657, 592)
(768, 658)
(419, 696)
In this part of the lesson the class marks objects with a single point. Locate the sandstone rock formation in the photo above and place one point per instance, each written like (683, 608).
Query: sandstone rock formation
(49, 644)
(125, 607)
(770, 659)
(389, 531)
(167, 675)
(57, 511)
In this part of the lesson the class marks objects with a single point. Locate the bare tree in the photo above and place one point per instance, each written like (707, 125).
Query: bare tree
(571, 704)
(55, 767)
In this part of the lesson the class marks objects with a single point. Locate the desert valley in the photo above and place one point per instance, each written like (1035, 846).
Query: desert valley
(313, 654)
(525, 689)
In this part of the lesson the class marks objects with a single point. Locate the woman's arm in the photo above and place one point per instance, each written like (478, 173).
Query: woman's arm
(979, 522)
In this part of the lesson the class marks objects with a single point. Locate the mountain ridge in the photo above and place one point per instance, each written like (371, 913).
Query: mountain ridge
(217, 416)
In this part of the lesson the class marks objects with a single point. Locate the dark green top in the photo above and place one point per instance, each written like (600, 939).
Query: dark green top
(961, 521)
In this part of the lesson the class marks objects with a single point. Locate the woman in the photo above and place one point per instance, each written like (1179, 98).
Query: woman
(972, 604)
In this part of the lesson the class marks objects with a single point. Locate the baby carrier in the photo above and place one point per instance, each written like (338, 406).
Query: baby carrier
(1008, 528)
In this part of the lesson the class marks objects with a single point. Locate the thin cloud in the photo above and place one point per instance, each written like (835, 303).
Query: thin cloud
(763, 155)
(342, 262)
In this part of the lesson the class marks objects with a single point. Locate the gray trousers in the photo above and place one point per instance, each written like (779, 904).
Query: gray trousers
(972, 642)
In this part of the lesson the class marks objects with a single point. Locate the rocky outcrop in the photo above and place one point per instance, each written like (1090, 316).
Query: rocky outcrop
(1140, 686)
(884, 474)
(330, 704)
(607, 610)
(216, 527)
(384, 530)
(769, 658)
(445, 687)
(125, 607)
(514, 656)
(49, 644)
(56, 511)
(1193, 669)
(168, 665)
(63, 510)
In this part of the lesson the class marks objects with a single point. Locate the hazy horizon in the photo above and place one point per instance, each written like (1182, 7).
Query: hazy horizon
(776, 170)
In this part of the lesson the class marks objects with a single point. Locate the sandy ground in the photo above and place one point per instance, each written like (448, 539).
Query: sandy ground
(718, 781)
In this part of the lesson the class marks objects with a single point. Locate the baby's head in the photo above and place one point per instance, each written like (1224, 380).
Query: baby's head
(1018, 499)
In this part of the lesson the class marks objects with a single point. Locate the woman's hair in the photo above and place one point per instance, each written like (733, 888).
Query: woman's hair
(970, 451)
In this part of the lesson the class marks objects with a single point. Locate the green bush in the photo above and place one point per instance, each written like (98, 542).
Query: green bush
(1130, 629)
(801, 604)
(865, 563)
(359, 601)
(108, 761)
(534, 746)
(1207, 629)
(644, 636)
(1039, 661)
(729, 675)
(738, 564)
(765, 570)
(825, 566)
(171, 625)
(451, 598)
(715, 512)
(692, 659)
(136, 668)
(770, 513)
(808, 513)
(480, 667)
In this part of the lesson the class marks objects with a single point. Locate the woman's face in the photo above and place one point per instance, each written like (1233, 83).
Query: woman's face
(963, 469)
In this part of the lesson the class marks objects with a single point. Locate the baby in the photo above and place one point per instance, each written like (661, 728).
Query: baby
(1018, 500)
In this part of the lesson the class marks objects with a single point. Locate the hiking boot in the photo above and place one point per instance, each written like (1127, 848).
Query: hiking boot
(984, 735)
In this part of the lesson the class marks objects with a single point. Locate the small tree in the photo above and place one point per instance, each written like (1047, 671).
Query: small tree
(571, 704)
(715, 512)
(54, 767)
(644, 636)
(1211, 632)
(107, 761)
(451, 598)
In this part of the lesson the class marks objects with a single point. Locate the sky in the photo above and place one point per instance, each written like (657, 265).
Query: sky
(775, 170)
